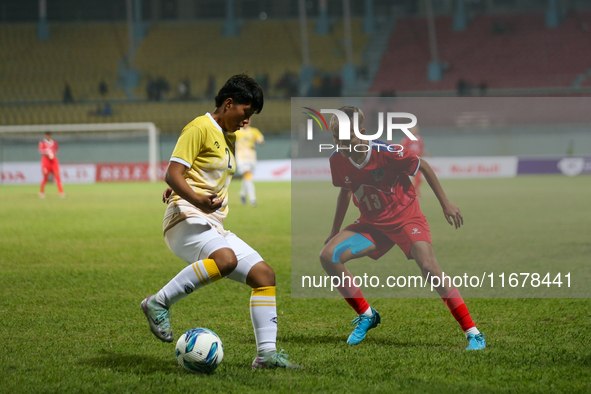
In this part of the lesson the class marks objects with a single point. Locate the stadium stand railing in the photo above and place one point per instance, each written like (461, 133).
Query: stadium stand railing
(508, 51)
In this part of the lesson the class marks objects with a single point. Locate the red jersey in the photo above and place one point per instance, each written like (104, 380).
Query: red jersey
(48, 148)
(381, 186)
(413, 147)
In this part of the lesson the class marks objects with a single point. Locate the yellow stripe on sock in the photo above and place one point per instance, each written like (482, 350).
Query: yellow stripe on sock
(198, 273)
(268, 291)
(212, 270)
(253, 305)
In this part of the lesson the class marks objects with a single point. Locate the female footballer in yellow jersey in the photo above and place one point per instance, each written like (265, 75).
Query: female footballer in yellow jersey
(246, 158)
(199, 173)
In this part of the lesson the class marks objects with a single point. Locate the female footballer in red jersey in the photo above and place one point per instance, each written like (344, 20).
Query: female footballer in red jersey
(50, 164)
(378, 179)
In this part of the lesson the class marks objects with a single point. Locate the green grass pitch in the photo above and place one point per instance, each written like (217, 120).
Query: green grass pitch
(73, 272)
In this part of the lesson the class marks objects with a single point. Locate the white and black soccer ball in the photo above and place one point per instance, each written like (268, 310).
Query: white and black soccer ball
(199, 350)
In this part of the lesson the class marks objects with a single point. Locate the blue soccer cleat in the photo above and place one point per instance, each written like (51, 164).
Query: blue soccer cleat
(243, 199)
(476, 341)
(363, 324)
(158, 318)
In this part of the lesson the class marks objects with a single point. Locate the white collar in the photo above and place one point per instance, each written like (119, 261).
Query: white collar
(360, 166)
(214, 122)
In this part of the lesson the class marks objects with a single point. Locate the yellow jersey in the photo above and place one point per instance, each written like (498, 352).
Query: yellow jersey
(245, 143)
(208, 153)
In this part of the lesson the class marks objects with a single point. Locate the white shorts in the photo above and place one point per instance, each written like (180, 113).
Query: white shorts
(245, 165)
(194, 239)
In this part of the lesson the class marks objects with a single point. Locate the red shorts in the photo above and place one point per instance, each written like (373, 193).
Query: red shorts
(409, 227)
(50, 166)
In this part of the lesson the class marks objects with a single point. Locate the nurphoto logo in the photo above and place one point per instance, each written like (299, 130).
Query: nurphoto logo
(344, 133)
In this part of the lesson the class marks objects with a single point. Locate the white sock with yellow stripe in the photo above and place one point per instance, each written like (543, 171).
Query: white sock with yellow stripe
(263, 312)
(191, 278)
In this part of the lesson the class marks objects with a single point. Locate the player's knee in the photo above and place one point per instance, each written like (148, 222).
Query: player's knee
(326, 256)
(266, 276)
(226, 263)
(261, 275)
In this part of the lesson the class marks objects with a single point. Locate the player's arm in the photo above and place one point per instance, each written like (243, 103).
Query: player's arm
(175, 177)
(451, 211)
(343, 201)
(45, 152)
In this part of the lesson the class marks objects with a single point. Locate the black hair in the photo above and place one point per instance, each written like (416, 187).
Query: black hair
(243, 90)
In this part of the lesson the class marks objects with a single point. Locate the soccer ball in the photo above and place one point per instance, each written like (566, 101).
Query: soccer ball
(199, 350)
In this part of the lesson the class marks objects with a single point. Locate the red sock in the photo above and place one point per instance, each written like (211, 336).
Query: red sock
(458, 308)
(58, 181)
(354, 297)
(358, 303)
(43, 182)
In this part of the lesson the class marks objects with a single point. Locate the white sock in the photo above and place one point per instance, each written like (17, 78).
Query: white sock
(243, 187)
(250, 190)
(191, 278)
(368, 312)
(472, 330)
(263, 312)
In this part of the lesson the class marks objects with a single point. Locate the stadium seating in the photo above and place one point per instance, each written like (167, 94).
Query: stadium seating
(504, 51)
(168, 116)
(34, 71)
(80, 54)
(197, 50)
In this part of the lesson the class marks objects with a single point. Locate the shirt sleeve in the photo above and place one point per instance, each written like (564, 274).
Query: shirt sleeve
(188, 146)
(258, 136)
(404, 162)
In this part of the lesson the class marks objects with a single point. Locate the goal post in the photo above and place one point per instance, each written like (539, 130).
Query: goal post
(148, 127)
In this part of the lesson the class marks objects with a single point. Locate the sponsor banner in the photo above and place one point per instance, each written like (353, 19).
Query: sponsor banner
(78, 173)
(474, 167)
(27, 173)
(444, 167)
(272, 170)
(570, 166)
(123, 172)
(21, 173)
(311, 169)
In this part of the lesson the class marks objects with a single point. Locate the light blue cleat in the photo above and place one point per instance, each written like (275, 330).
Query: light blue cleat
(362, 325)
(158, 318)
(273, 359)
(476, 341)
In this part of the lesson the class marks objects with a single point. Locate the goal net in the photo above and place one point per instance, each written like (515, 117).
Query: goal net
(98, 151)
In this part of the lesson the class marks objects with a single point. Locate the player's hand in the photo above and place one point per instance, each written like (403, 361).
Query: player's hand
(166, 194)
(452, 213)
(330, 236)
(209, 204)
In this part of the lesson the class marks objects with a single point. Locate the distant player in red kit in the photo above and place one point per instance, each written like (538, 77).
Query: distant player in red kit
(377, 177)
(416, 148)
(49, 164)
